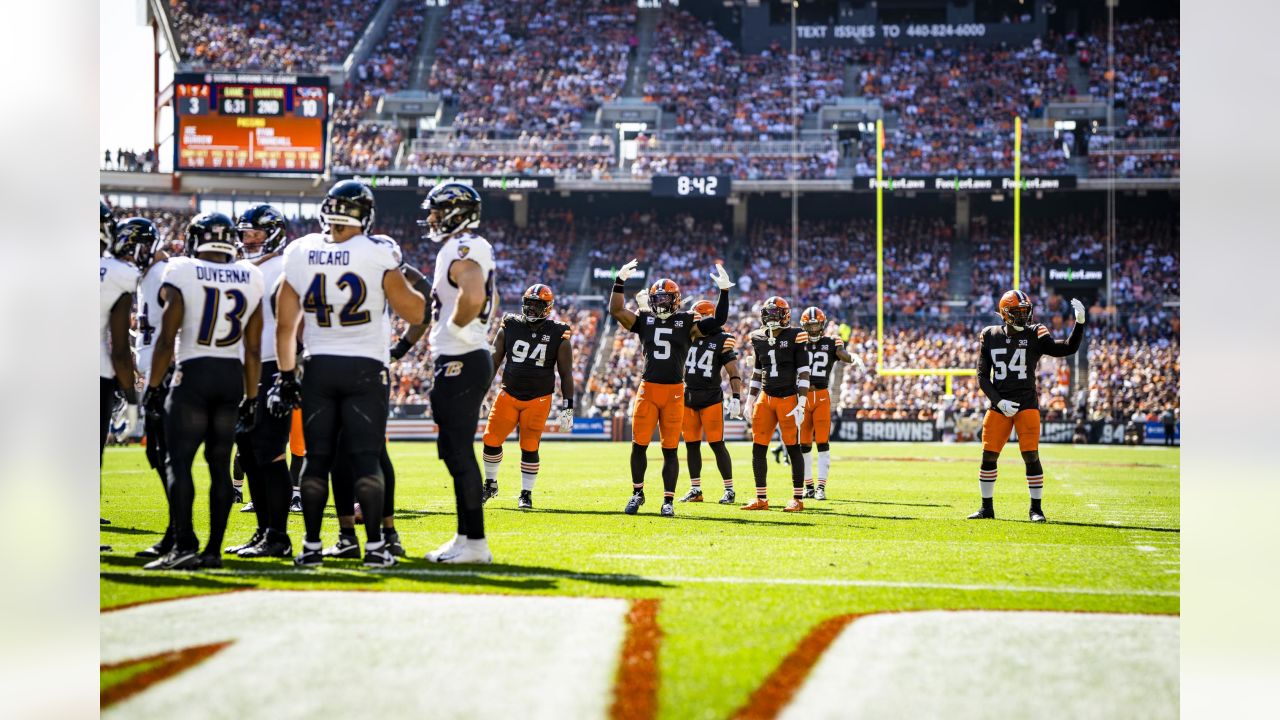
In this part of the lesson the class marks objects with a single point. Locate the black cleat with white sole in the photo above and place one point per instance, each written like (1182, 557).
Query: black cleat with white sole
(489, 492)
(694, 495)
(346, 547)
(668, 510)
(729, 498)
(380, 558)
(633, 505)
(175, 559)
(295, 504)
(984, 513)
(274, 545)
(309, 558)
(1037, 515)
(393, 542)
(526, 500)
(258, 536)
(211, 560)
(808, 492)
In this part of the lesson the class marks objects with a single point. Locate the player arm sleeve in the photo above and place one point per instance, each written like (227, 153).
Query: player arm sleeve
(722, 308)
(984, 373)
(709, 326)
(1057, 348)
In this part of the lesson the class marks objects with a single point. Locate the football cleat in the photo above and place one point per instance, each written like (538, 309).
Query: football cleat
(248, 507)
(274, 545)
(295, 505)
(104, 548)
(729, 497)
(175, 559)
(258, 536)
(983, 514)
(103, 521)
(210, 561)
(490, 491)
(346, 547)
(239, 497)
(380, 558)
(476, 553)
(160, 548)
(1037, 515)
(808, 492)
(526, 500)
(694, 495)
(448, 548)
(668, 510)
(633, 505)
(309, 558)
(757, 504)
(793, 506)
(820, 493)
(393, 542)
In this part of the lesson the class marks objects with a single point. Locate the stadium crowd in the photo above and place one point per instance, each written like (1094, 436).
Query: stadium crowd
(273, 35)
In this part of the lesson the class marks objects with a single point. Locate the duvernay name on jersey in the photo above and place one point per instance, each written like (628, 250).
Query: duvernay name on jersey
(233, 274)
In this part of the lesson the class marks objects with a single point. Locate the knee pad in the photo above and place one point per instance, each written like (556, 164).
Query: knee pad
(529, 456)
(638, 449)
(315, 465)
(759, 451)
(1034, 468)
(824, 447)
(1031, 456)
(806, 448)
(988, 464)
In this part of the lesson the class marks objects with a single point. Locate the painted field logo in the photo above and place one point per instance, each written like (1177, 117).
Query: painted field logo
(427, 655)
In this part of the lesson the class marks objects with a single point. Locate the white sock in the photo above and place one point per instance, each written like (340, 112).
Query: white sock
(297, 493)
(312, 546)
(529, 474)
(808, 467)
(987, 479)
(371, 546)
(1035, 486)
(491, 467)
(480, 545)
(824, 466)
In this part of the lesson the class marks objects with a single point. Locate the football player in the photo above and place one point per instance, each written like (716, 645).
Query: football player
(823, 353)
(117, 280)
(153, 261)
(216, 301)
(337, 283)
(463, 302)
(779, 393)
(1007, 362)
(666, 333)
(535, 349)
(263, 232)
(704, 402)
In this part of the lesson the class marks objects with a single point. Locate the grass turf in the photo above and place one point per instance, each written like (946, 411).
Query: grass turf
(738, 590)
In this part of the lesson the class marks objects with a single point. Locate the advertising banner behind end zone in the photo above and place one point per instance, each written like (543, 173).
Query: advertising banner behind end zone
(424, 182)
(583, 429)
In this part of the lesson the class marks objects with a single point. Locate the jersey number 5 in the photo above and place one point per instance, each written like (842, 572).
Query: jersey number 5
(1017, 363)
(663, 344)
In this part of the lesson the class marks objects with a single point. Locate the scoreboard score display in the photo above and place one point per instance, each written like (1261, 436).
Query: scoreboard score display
(248, 122)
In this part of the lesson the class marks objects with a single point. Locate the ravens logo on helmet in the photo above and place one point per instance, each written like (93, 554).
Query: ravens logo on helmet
(136, 241)
(269, 221)
(1016, 310)
(451, 207)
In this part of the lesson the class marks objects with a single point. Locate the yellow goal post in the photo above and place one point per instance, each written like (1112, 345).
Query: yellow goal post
(948, 373)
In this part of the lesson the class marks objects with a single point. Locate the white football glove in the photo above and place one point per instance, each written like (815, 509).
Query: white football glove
(565, 420)
(798, 412)
(735, 408)
(642, 300)
(1008, 408)
(626, 271)
(1078, 306)
(721, 278)
(130, 417)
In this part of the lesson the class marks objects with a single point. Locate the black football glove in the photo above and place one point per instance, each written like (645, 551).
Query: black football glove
(285, 394)
(248, 416)
(153, 400)
(400, 349)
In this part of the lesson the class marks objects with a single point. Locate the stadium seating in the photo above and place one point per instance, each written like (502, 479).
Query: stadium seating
(276, 35)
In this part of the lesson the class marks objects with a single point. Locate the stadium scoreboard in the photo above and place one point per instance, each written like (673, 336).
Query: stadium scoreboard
(691, 186)
(244, 122)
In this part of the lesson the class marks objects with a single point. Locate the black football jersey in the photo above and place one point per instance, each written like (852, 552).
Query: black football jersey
(822, 360)
(665, 344)
(782, 359)
(706, 357)
(530, 355)
(1009, 360)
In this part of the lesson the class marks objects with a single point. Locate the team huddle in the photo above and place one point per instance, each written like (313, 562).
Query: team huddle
(249, 338)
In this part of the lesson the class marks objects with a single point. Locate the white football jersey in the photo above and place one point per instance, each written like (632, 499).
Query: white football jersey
(115, 278)
(340, 286)
(149, 312)
(217, 301)
(445, 338)
(272, 271)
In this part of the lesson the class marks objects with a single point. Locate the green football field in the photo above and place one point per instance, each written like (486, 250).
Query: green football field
(727, 609)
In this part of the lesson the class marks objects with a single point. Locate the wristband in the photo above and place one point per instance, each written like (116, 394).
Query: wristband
(402, 347)
(802, 383)
(755, 385)
(130, 395)
(568, 403)
(618, 286)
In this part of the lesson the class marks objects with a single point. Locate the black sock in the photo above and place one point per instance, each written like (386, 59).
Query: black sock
(1035, 505)
(723, 462)
(347, 532)
(694, 453)
(315, 495)
(371, 489)
(257, 487)
(279, 492)
(760, 464)
(797, 468)
(670, 469)
(639, 463)
(221, 497)
(988, 504)
(389, 485)
(295, 470)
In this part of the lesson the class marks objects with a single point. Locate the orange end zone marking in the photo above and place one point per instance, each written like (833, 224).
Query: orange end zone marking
(172, 664)
(636, 690)
(777, 690)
